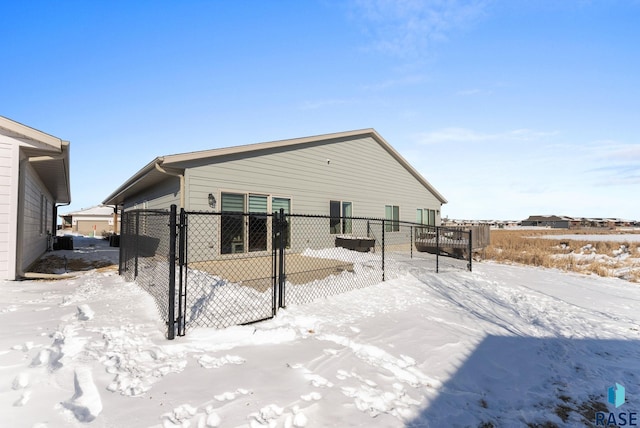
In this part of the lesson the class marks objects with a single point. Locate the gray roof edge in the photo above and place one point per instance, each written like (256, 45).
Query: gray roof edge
(204, 154)
(137, 177)
(408, 166)
(172, 161)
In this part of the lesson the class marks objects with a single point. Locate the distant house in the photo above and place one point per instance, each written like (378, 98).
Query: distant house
(35, 180)
(553, 221)
(347, 174)
(564, 222)
(492, 223)
(94, 221)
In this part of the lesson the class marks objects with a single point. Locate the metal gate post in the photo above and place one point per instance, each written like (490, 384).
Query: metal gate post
(171, 332)
(383, 227)
(274, 263)
(137, 244)
(411, 240)
(182, 287)
(121, 251)
(470, 248)
(282, 224)
(437, 249)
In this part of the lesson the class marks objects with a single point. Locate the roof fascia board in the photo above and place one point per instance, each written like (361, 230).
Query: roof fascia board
(136, 178)
(30, 133)
(389, 148)
(188, 157)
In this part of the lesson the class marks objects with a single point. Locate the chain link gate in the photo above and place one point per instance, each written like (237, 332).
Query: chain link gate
(220, 284)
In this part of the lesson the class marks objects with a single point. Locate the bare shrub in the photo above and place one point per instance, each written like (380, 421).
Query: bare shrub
(634, 275)
(529, 248)
(599, 268)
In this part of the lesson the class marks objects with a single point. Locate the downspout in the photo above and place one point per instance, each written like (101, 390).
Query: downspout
(174, 173)
(55, 217)
(115, 219)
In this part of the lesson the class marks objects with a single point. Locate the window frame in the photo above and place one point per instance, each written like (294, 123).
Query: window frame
(427, 216)
(245, 223)
(392, 218)
(339, 222)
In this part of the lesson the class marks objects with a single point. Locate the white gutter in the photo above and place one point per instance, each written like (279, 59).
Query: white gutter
(175, 173)
(64, 153)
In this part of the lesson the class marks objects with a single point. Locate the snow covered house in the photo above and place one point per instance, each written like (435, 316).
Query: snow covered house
(94, 221)
(346, 174)
(35, 180)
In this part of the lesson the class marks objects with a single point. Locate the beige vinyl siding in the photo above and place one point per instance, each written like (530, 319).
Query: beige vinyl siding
(360, 171)
(8, 208)
(35, 194)
(86, 226)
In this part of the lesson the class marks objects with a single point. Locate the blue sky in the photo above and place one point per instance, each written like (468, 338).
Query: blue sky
(509, 108)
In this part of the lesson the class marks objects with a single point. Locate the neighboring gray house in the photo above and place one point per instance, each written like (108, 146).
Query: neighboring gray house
(553, 221)
(34, 167)
(349, 174)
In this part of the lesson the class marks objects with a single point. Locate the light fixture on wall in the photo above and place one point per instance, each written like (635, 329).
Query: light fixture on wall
(212, 201)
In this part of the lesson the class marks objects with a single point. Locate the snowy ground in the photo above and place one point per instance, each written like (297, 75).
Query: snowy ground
(499, 346)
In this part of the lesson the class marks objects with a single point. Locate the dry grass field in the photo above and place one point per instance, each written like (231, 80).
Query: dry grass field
(605, 258)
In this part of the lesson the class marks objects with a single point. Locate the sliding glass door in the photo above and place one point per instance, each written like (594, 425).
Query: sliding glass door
(232, 223)
(257, 223)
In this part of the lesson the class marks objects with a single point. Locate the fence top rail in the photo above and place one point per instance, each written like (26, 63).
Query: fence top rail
(464, 229)
(146, 211)
(264, 214)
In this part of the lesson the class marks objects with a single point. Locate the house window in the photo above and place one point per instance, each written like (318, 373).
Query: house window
(285, 204)
(341, 213)
(334, 221)
(426, 216)
(392, 213)
(257, 223)
(432, 217)
(347, 213)
(232, 223)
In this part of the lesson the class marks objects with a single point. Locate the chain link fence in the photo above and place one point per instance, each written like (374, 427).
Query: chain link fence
(230, 268)
(144, 253)
(327, 256)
